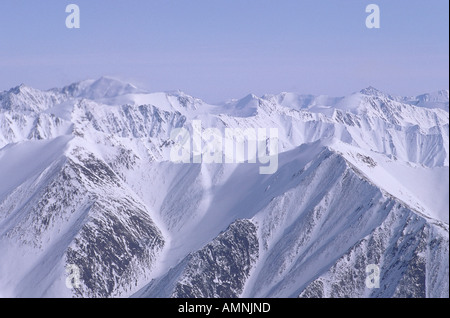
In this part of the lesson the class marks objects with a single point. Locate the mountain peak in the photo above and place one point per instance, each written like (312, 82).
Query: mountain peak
(20, 89)
(106, 80)
(178, 93)
(104, 87)
(251, 100)
(372, 91)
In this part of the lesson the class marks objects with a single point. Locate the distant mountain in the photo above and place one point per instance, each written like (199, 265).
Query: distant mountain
(437, 99)
(86, 180)
(104, 87)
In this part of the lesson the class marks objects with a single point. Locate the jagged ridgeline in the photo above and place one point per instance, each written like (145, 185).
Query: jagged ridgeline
(91, 204)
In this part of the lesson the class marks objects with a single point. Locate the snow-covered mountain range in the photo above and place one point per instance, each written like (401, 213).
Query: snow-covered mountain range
(86, 179)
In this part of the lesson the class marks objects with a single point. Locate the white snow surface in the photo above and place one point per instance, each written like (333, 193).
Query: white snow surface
(399, 146)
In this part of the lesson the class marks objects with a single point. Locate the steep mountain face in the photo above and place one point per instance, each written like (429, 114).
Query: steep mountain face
(408, 262)
(218, 270)
(73, 209)
(87, 183)
(301, 238)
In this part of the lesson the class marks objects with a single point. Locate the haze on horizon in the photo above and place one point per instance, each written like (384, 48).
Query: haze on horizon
(217, 50)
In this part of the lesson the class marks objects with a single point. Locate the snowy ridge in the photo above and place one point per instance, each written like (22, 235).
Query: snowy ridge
(78, 207)
(86, 180)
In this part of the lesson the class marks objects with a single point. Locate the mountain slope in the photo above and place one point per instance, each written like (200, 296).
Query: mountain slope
(71, 208)
(87, 181)
(326, 216)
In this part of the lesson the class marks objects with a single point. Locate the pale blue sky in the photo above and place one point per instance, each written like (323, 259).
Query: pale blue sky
(221, 49)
